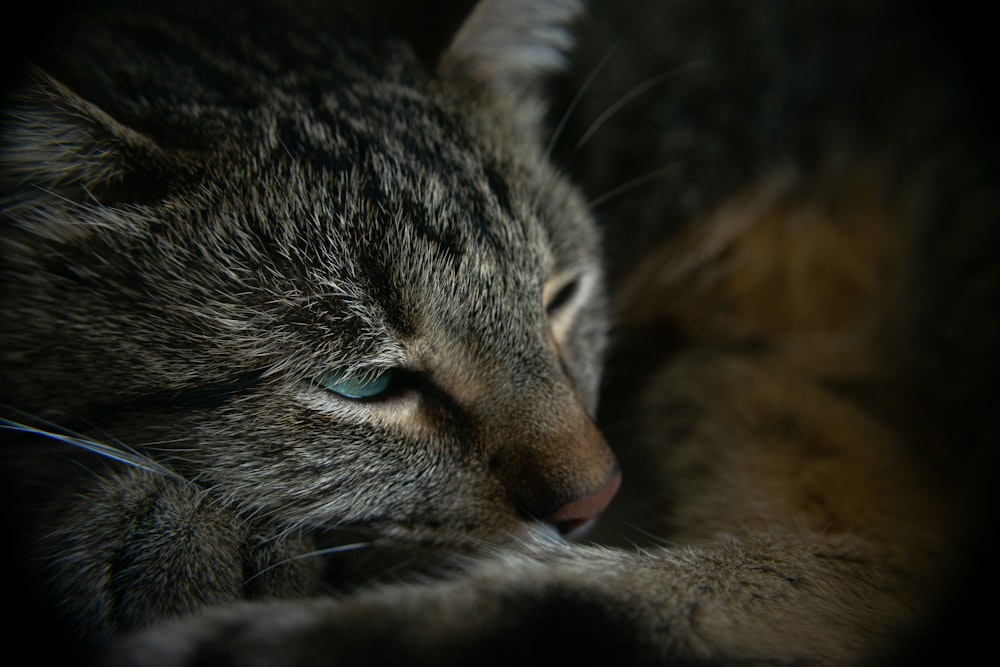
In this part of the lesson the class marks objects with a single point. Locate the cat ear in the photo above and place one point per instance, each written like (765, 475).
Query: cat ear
(58, 145)
(511, 44)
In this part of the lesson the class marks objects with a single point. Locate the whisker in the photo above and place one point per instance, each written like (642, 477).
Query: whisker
(636, 91)
(561, 126)
(55, 195)
(629, 185)
(68, 437)
(311, 554)
(45, 422)
(658, 539)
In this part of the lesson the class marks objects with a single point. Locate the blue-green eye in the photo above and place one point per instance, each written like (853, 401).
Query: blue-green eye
(356, 385)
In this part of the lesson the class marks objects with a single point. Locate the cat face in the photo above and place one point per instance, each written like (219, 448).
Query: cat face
(339, 293)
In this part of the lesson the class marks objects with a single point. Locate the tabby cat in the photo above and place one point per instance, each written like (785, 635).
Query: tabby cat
(299, 302)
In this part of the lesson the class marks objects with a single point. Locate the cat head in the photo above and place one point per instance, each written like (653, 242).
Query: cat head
(320, 268)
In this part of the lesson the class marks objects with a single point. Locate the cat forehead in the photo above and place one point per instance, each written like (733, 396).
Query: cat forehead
(375, 181)
(390, 232)
(346, 171)
(388, 165)
(351, 123)
(410, 245)
(320, 120)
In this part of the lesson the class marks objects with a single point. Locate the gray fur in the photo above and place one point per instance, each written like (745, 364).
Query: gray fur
(187, 254)
(800, 385)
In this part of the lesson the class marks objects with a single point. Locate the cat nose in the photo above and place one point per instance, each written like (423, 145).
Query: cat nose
(572, 517)
(565, 475)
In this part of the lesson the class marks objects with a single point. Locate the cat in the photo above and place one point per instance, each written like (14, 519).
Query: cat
(273, 287)
(800, 254)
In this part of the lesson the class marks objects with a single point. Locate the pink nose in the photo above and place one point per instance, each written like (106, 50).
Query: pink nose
(580, 511)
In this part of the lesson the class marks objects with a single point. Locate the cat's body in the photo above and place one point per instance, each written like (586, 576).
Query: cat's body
(801, 279)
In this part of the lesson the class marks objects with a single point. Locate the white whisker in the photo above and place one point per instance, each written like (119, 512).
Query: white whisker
(629, 185)
(108, 451)
(557, 132)
(311, 554)
(636, 91)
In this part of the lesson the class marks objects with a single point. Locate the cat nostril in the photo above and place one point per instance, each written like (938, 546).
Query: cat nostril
(579, 512)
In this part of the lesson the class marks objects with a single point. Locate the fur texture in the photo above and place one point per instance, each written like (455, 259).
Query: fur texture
(796, 206)
(202, 223)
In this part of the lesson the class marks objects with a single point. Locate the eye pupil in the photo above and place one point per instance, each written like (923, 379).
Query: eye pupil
(356, 385)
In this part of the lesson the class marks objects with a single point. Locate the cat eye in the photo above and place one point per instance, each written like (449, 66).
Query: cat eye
(562, 297)
(357, 386)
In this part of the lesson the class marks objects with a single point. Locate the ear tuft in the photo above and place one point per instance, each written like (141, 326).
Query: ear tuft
(56, 145)
(55, 140)
(67, 166)
(511, 44)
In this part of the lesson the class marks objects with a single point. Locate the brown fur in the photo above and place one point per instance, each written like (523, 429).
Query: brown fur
(800, 390)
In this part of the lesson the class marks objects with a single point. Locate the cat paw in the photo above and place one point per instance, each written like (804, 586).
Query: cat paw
(249, 634)
(447, 624)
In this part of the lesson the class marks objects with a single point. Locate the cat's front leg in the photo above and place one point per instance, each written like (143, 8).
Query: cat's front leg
(523, 615)
(135, 548)
(752, 602)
